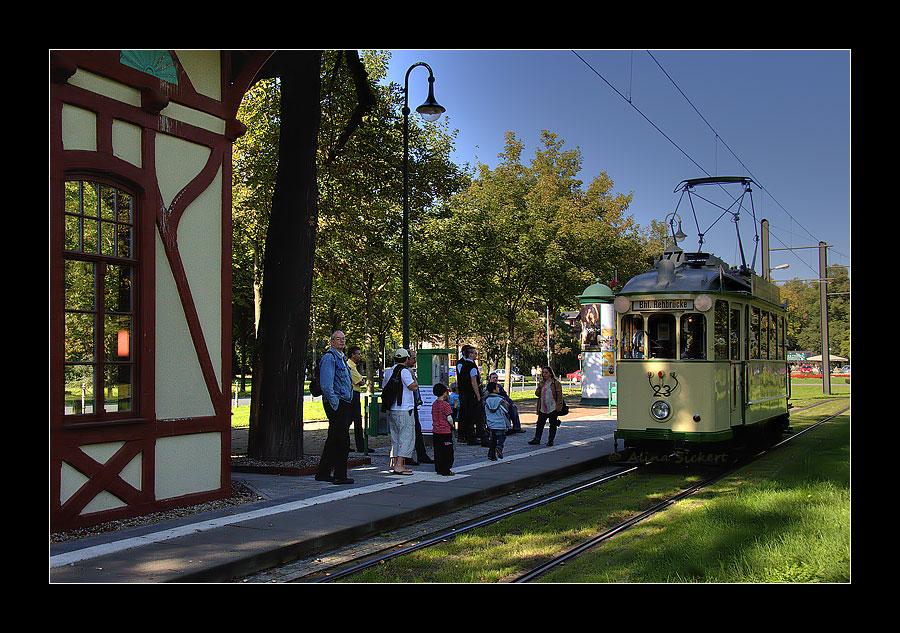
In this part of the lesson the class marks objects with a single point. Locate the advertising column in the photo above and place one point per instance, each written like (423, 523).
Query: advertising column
(598, 334)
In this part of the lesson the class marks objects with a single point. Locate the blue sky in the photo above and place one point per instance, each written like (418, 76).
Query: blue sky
(782, 118)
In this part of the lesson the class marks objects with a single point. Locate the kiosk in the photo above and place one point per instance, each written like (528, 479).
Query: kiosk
(432, 367)
(598, 334)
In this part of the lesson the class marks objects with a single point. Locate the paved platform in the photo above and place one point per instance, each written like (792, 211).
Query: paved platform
(298, 515)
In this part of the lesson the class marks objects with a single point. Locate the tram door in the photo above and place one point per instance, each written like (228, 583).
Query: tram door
(737, 365)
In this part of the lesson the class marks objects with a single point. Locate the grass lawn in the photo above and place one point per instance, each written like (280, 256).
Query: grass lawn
(315, 410)
(783, 519)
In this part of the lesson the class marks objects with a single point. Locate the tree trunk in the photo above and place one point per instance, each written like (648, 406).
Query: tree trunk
(369, 338)
(257, 289)
(551, 334)
(507, 361)
(276, 418)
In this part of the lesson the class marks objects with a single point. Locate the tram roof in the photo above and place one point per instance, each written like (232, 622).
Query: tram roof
(694, 272)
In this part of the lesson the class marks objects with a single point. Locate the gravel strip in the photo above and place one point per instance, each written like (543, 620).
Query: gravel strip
(240, 494)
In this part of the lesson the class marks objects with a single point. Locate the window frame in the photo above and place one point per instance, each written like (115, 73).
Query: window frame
(700, 330)
(664, 345)
(100, 263)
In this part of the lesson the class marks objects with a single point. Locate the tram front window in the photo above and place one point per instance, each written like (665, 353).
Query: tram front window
(632, 339)
(693, 336)
(661, 335)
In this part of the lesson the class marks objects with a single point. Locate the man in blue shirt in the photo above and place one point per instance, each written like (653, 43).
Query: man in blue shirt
(337, 396)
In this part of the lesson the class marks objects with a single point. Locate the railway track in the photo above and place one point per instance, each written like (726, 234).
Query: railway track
(660, 507)
(356, 563)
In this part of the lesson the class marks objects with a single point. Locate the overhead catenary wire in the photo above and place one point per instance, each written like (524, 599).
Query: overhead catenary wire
(703, 118)
(646, 118)
(722, 140)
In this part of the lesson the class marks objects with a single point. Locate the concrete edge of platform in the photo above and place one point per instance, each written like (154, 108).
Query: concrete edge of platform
(259, 561)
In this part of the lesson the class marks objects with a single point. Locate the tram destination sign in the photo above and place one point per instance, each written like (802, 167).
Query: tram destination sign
(645, 305)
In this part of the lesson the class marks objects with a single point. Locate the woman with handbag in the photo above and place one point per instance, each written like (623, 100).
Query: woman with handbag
(550, 404)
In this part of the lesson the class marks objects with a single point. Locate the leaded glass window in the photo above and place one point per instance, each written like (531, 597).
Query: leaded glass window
(99, 302)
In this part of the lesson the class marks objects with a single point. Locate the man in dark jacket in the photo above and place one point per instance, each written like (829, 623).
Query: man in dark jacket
(471, 411)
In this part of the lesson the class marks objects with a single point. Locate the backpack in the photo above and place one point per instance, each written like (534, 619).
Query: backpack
(315, 387)
(392, 391)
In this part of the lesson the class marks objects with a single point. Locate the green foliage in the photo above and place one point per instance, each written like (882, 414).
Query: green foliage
(507, 236)
(523, 236)
(358, 249)
(804, 312)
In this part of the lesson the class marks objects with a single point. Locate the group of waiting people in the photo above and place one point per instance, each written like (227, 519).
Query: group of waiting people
(482, 410)
(485, 413)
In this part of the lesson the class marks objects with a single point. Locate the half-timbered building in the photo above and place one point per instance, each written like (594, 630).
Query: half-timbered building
(140, 278)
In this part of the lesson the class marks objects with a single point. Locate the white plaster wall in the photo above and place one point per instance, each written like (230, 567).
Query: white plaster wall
(79, 129)
(188, 464)
(200, 244)
(180, 389)
(204, 67)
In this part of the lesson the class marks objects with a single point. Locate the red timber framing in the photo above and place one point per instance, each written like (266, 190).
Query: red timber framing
(137, 432)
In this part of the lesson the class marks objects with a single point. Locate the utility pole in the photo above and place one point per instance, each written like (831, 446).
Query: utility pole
(823, 307)
(823, 302)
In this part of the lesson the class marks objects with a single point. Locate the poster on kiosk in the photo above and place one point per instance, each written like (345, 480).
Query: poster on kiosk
(598, 334)
(432, 367)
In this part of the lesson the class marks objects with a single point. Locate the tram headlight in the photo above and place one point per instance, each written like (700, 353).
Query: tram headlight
(703, 303)
(660, 410)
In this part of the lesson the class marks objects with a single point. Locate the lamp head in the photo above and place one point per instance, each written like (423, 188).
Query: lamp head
(431, 110)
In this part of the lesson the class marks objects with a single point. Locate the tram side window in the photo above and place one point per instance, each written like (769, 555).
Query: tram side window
(754, 333)
(693, 336)
(661, 335)
(632, 341)
(763, 334)
(773, 337)
(776, 343)
(781, 338)
(735, 334)
(721, 330)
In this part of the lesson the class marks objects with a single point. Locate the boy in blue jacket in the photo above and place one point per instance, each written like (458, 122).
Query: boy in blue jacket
(496, 413)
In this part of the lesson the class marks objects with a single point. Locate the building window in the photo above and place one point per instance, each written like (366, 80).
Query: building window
(100, 271)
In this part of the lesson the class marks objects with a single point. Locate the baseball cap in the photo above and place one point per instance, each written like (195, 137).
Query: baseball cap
(401, 353)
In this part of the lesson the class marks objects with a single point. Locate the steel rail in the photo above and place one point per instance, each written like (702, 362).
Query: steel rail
(625, 525)
(477, 524)
(443, 536)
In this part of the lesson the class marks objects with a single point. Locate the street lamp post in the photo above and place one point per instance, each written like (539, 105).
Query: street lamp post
(430, 111)
(670, 220)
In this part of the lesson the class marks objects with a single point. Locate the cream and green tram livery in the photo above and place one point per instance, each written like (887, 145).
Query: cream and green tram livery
(701, 361)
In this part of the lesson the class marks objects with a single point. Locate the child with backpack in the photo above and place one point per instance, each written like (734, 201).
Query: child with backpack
(496, 413)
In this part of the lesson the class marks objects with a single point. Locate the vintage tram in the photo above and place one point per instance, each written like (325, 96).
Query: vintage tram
(701, 357)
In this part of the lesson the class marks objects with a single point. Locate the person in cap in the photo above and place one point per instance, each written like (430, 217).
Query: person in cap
(401, 415)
